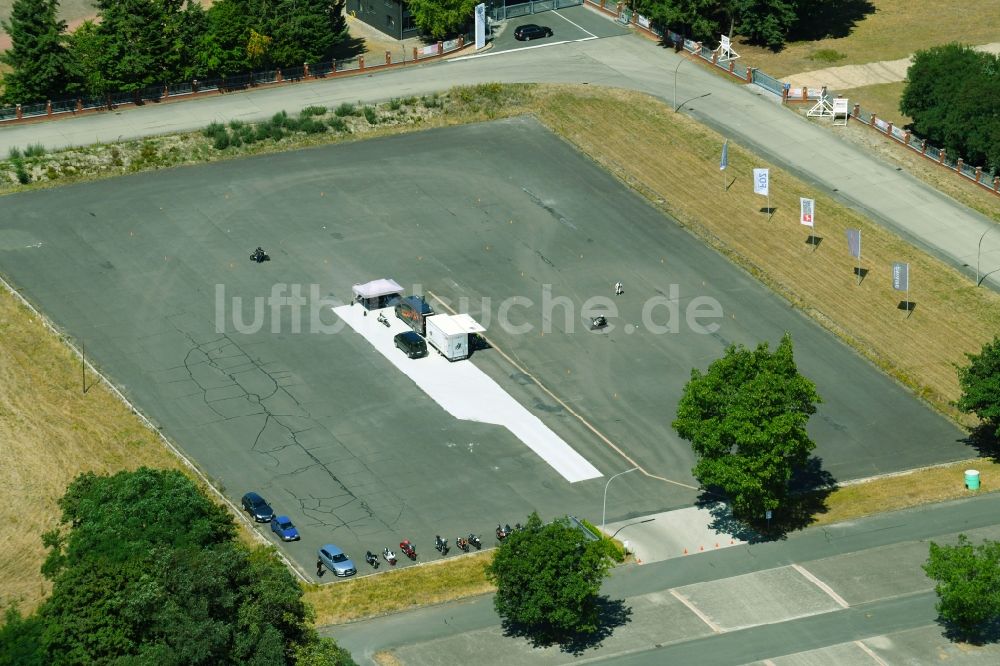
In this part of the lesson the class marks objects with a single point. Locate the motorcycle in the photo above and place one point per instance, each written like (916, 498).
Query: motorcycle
(501, 533)
(259, 256)
(371, 559)
(389, 556)
(474, 541)
(463, 545)
(383, 320)
(408, 549)
(441, 545)
(508, 529)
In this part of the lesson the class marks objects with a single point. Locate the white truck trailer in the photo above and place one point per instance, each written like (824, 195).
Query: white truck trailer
(449, 334)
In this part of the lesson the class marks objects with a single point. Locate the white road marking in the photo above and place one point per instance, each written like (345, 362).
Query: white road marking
(576, 24)
(523, 48)
(870, 653)
(691, 607)
(468, 393)
(821, 585)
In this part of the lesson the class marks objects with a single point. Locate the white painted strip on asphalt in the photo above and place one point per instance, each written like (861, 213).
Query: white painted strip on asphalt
(691, 607)
(576, 24)
(523, 48)
(871, 654)
(468, 393)
(821, 585)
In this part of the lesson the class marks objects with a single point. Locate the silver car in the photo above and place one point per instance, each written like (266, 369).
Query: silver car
(337, 561)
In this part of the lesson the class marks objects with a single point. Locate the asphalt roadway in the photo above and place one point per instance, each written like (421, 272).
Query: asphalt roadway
(145, 270)
(745, 114)
(851, 593)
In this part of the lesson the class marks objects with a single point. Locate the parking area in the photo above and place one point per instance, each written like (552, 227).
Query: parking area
(570, 24)
(248, 370)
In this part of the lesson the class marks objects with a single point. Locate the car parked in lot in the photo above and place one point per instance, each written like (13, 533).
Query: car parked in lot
(283, 527)
(257, 507)
(411, 344)
(529, 31)
(337, 561)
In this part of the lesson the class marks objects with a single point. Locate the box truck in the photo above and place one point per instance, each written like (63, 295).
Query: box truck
(449, 334)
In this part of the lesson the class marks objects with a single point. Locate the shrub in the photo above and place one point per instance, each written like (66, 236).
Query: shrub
(148, 151)
(213, 130)
(312, 111)
(338, 125)
(345, 109)
(51, 172)
(827, 55)
(431, 102)
(34, 150)
(236, 124)
(395, 103)
(370, 115)
(221, 141)
(410, 101)
(21, 172)
(15, 153)
(312, 126)
(116, 156)
(279, 119)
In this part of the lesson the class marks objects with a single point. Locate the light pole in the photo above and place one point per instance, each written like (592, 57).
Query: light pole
(979, 251)
(604, 511)
(683, 60)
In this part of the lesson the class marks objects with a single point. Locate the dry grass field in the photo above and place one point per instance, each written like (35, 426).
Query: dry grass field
(895, 30)
(50, 431)
(881, 98)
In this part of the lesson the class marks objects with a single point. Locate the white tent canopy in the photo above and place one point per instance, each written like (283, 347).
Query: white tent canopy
(377, 288)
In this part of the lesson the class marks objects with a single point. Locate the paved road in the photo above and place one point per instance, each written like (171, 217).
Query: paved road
(871, 565)
(750, 117)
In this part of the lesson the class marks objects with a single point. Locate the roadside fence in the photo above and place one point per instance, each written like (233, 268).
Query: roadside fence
(237, 82)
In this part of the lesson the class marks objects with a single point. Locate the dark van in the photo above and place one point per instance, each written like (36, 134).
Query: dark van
(414, 310)
(411, 344)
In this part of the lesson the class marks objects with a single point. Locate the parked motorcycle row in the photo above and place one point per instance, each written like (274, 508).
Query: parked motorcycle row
(464, 544)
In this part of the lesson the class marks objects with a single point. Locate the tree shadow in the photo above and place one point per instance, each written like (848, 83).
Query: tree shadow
(349, 48)
(820, 20)
(979, 635)
(985, 441)
(808, 489)
(611, 614)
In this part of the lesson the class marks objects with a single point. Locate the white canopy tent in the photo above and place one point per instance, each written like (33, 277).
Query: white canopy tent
(377, 293)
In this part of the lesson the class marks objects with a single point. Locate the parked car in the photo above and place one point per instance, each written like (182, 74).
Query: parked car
(530, 31)
(283, 527)
(411, 344)
(337, 561)
(257, 507)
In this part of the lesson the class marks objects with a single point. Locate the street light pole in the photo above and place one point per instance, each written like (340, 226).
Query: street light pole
(604, 511)
(683, 60)
(979, 252)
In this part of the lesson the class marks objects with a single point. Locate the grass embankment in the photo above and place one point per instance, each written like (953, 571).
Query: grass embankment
(896, 29)
(50, 432)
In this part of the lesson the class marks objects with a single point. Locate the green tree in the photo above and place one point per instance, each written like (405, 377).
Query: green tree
(222, 48)
(951, 94)
(766, 22)
(147, 569)
(548, 578)
(746, 421)
(20, 640)
(39, 61)
(980, 382)
(441, 18)
(968, 583)
(308, 31)
(86, 46)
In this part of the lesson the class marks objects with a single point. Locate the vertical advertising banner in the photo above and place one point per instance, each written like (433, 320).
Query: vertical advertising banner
(900, 276)
(854, 242)
(480, 25)
(760, 181)
(724, 162)
(806, 211)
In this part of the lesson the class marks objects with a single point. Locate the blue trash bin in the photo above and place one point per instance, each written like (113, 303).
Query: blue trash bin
(972, 479)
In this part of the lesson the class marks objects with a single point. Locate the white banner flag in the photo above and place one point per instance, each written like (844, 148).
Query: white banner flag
(760, 178)
(480, 14)
(806, 207)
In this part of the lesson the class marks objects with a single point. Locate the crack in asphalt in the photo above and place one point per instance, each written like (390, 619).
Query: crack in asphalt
(341, 509)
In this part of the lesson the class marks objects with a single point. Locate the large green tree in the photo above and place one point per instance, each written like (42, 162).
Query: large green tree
(441, 18)
(307, 32)
(548, 578)
(980, 382)
(148, 570)
(951, 93)
(39, 61)
(968, 583)
(746, 420)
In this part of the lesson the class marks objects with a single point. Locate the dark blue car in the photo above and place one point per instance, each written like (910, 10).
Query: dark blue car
(282, 526)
